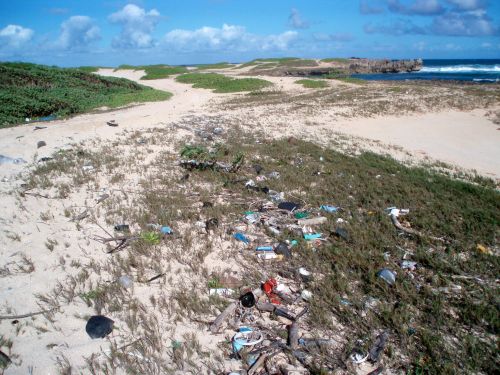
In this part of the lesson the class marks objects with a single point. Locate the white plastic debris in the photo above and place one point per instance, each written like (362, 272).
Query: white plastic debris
(306, 295)
(126, 281)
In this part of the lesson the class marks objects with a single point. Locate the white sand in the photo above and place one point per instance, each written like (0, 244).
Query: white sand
(465, 139)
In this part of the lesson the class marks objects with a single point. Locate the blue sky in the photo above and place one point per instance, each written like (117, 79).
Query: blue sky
(107, 32)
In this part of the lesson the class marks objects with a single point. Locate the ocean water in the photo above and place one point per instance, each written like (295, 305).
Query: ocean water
(481, 71)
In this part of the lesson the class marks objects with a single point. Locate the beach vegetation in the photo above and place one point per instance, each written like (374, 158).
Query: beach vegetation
(221, 83)
(34, 91)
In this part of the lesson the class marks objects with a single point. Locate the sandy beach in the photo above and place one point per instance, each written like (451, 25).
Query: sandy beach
(467, 140)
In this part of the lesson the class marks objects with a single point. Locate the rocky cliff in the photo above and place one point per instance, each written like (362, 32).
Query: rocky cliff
(344, 67)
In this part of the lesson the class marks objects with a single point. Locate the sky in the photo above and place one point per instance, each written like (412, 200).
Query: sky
(109, 33)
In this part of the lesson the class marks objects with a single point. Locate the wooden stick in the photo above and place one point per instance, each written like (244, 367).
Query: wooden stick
(8, 317)
(258, 364)
(398, 225)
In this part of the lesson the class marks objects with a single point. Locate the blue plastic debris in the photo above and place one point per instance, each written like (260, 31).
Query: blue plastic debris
(241, 237)
(166, 230)
(264, 248)
(330, 209)
(313, 236)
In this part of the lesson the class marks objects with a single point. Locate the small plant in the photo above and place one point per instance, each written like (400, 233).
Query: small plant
(152, 238)
(50, 244)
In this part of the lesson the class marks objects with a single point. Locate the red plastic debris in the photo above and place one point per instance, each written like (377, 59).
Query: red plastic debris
(268, 288)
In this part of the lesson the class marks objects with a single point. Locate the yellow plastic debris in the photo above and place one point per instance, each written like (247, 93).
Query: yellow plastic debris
(483, 249)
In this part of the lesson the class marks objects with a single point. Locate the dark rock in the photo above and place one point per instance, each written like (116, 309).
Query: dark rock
(41, 144)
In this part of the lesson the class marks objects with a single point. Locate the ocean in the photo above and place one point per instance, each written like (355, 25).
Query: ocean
(481, 71)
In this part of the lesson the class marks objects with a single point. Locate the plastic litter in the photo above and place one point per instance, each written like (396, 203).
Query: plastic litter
(126, 281)
(211, 224)
(301, 215)
(483, 249)
(218, 131)
(305, 275)
(330, 209)
(88, 168)
(275, 196)
(264, 248)
(289, 206)
(342, 233)
(408, 265)
(313, 221)
(225, 292)
(268, 255)
(8, 160)
(5, 361)
(387, 275)
(257, 168)
(283, 249)
(358, 357)
(396, 211)
(99, 326)
(166, 230)
(41, 144)
(112, 123)
(122, 228)
(241, 237)
(247, 300)
(252, 217)
(246, 337)
(378, 347)
(274, 175)
(312, 236)
(306, 295)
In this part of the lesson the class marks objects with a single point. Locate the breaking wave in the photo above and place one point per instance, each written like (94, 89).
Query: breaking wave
(462, 69)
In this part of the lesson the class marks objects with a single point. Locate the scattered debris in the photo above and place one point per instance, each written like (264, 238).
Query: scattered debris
(41, 144)
(112, 123)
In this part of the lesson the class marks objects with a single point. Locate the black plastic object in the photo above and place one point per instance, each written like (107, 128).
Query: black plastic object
(264, 189)
(247, 300)
(258, 168)
(122, 228)
(98, 326)
(283, 249)
(289, 206)
(342, 233)
(211, 223)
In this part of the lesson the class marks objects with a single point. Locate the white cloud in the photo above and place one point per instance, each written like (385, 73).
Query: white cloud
(472, 23)
(226, 38)
(468, 4)
(137, 26)
(15, 36)
(296, 21)
(77, 32)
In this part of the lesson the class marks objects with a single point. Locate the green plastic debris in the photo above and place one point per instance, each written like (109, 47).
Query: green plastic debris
(301, 215)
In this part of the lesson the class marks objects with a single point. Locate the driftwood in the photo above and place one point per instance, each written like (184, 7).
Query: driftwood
(398, 225)
(215, 326)
(258, 364)
(9, 317)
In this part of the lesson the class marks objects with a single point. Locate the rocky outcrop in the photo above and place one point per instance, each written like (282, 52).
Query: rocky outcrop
(384, 66)
(349, 66)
